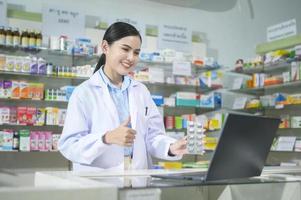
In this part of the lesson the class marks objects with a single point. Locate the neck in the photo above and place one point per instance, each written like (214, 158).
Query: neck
(114, 77)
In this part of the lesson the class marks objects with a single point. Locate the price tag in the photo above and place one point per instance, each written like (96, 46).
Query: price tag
(286, 143)
(240, 103)
(181, 68)
(237, 83)
(141, 194)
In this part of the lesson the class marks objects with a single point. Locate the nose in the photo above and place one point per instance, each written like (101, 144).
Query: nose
(131, 56)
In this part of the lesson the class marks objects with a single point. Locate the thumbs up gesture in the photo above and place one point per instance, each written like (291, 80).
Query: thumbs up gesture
(122, 135)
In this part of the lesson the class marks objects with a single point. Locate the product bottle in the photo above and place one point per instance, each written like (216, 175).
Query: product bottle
(32, 40)
(24, 39)
(38, 39)
(16, 140)
(2, 35)
(16, 37)
(9, 37)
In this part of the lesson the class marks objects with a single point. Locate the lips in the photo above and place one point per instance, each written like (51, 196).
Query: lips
(127, 65)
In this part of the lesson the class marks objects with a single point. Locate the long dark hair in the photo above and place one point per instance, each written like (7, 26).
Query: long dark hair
(116, 32)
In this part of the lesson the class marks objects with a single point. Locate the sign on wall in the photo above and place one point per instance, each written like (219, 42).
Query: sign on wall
(59, 21)
(174, 37)
(282, 30)
(3, 8)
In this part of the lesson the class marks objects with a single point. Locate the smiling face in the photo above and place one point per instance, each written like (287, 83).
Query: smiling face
(121, 56)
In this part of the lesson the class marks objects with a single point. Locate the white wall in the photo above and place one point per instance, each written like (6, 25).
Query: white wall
(230, 34)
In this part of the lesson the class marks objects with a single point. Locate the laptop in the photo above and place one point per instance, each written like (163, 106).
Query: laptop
(242, 149)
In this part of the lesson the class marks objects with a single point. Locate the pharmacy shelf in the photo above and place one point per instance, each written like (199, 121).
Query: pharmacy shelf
(289, 132)
(292, 84)
(268, 68)
(9, 73)
(54, 128)
(32, 102)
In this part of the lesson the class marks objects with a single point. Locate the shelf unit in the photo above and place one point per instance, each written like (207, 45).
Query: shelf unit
(292, 87)
(55, 160)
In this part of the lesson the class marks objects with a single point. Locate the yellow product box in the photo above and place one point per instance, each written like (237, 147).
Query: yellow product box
(294, 99)
(52, 116)
(40, 117)
(171, 165)
(36, 91)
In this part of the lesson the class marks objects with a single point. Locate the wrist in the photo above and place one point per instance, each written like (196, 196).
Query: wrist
(170, 153)
(105, 138)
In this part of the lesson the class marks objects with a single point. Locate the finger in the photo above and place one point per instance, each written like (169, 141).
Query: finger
(132, 131)
(127, 122)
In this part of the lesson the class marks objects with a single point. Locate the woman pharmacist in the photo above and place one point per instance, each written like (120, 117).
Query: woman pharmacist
(112, 121)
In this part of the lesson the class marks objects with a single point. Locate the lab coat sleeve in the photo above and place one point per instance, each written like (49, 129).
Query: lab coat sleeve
(76, 143)
(157, 141)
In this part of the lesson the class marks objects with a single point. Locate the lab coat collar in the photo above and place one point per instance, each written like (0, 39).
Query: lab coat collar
(97, 81)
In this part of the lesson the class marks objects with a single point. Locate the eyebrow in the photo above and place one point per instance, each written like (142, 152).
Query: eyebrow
(128, 46)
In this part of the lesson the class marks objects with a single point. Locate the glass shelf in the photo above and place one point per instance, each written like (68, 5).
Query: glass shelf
(54, 128)
(32, 102)
(261, 89)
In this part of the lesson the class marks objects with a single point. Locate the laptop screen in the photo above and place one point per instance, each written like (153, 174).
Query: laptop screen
(243, 147)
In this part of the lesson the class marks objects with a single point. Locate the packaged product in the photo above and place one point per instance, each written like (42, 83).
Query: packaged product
(24, 140)
(4, 115)
(36, 91)
(31, 115)
(7, 89)
(1, 89)
(18, 64)
(10, 63)
(52, 116)
(40, 117)
(24, 90)
(2, 62)
(1, 139)
(15, 90)
(61, 116)
(34, 65)
(13, 115)
(34, 139)
(48, 140)
(41, 143)
(7, 143)
(55, 139)
(22, 115)
(294, 72)
(26, 65)
(42, 68)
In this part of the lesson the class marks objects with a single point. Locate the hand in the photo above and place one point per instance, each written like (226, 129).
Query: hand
(179, 148)
(123, 135)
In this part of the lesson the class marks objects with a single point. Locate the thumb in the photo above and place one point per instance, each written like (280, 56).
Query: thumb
(126, 122)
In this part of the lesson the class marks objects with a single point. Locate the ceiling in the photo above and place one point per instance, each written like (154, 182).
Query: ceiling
(207, 5)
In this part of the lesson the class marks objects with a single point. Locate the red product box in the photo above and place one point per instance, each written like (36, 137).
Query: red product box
(31, 115)
(22, 115)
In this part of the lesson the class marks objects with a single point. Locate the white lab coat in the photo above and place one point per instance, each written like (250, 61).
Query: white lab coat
(92, 112)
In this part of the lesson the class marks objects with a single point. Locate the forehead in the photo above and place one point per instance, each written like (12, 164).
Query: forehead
(132, 41)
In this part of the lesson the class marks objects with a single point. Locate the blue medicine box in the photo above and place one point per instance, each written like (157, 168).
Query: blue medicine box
(158, 99)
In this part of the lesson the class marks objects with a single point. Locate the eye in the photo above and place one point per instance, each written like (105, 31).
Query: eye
(137, 53)
(125, 49)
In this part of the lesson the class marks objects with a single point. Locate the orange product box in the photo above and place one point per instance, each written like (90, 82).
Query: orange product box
(36, 91)
(22, 115)
(24, 90)
(15, 90)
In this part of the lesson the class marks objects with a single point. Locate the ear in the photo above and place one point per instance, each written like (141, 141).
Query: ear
(104, 46)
